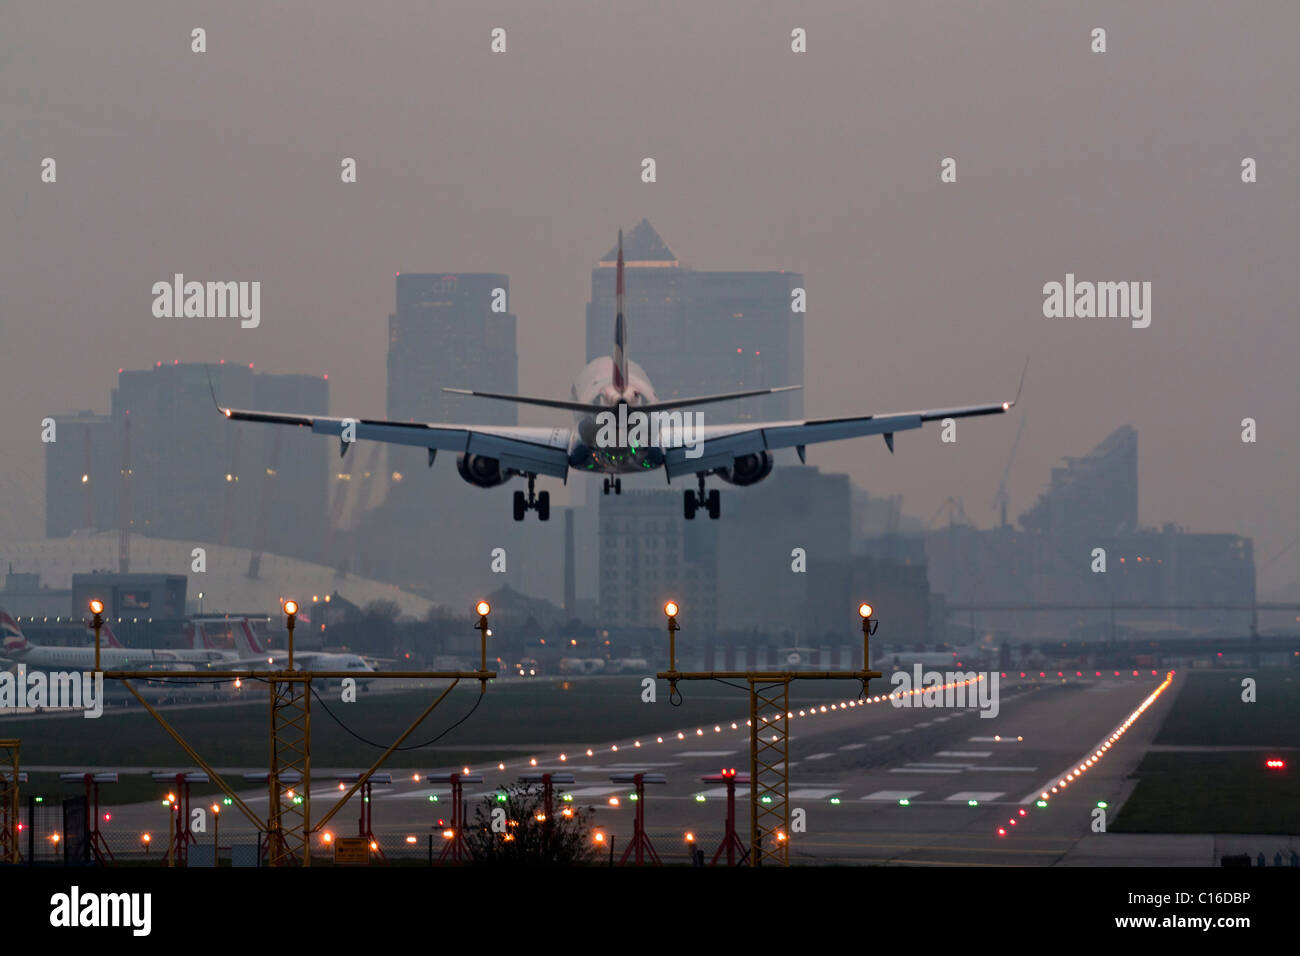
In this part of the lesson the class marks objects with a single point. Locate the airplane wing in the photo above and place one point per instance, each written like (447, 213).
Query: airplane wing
(721, 444)
(542, 451)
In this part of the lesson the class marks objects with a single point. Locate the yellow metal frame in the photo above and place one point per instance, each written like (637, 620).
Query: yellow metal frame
(288, 821)
(9, 762)
(769, 739)
(769, 772)
(289, 827)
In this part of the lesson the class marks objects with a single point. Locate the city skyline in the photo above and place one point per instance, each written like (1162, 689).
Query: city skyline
(167, 165)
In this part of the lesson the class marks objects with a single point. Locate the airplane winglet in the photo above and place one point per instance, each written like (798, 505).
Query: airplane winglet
(213, 392)
(1020, 387)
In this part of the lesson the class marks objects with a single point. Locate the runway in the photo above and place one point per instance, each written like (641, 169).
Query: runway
(878, 784)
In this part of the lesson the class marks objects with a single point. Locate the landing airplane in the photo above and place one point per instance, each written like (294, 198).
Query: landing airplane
(612, 387)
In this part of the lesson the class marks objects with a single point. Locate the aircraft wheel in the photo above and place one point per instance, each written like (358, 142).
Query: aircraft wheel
(689, 502)
(544, 506)
(715, 504)
(521, 505)
(618, 486)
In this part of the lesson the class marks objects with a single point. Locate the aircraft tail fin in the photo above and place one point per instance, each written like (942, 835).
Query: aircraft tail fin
(620, 325)
(247, 641)
(13, 634)
(107, 637)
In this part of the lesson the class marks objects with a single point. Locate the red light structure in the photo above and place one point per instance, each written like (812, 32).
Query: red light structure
(181, 835)
(364, 828)
(98, 845)
(731, 841)
(547, 781)
(456, 848)
(640, 844)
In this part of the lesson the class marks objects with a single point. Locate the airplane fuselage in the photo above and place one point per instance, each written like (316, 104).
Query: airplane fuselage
(595, 386)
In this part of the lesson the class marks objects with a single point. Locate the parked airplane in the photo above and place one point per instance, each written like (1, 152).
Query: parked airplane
(650, 433)
(961, 657)
(251, 654)
(112, 655)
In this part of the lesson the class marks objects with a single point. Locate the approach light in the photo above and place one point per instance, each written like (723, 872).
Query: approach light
(96, 606)
(671, 609)
(291, 608)
(483, 608)
(864, 610)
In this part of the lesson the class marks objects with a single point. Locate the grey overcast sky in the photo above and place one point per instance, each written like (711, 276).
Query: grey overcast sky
(1116, 166)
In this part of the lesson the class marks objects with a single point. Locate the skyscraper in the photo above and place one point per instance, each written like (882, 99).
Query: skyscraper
(451, 330)
(448, 330)
(696, 332)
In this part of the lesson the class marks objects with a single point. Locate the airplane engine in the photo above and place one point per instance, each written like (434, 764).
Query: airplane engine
(480, 471)
(748, 469)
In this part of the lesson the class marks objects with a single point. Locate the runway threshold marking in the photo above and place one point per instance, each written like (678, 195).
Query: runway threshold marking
(892, 796)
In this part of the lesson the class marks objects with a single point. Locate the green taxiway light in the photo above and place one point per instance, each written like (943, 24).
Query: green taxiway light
(1042, 803)
(699, 798)
(972, 803)
(1103, 804)
(835, 800)
(905, 802)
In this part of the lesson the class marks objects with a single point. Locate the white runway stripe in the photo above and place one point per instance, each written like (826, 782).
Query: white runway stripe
(892, 796)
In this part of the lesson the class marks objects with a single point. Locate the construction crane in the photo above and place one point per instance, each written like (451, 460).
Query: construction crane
(1000, 498)
(956, 513)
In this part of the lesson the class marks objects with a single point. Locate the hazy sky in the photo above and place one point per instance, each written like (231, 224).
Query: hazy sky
(1116, 166)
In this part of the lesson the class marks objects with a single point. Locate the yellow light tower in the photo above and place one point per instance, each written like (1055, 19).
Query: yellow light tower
(483, 609)
(289, 823)
(10, 778)
(769, 735)
(869, 626)
(290, 608)
(97, 622)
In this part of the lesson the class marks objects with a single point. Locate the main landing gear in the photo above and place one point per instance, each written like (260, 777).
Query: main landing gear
(614, 484)
(711, 501)
(540, 502)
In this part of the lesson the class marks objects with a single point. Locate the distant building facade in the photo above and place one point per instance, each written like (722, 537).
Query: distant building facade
(166, 458)
(1091, 503)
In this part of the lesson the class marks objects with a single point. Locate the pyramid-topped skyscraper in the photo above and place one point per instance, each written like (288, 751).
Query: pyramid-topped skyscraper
(695, 332)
